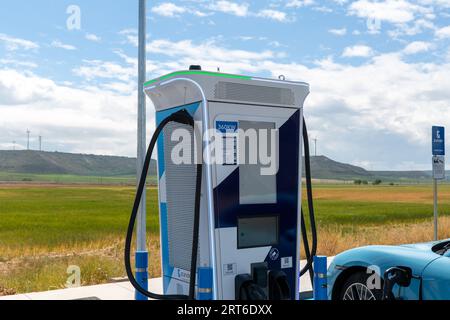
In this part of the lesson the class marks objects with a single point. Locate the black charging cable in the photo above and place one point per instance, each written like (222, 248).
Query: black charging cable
(309, 253)
(182, 117)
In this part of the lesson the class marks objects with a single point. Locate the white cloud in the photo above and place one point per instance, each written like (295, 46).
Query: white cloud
(338, 32)
(131, 36)
(373, 113)
(416, 27)
(199, 13)
(443, 32)
(71, 119)
(120, 77)
(299, 3)
(357, 51)
(275, 44)
(359, 112)
(93, 37)
(417, 47)
(12, 43)
(246, 38)
(322, 9)
(128, 31)
(437, 3)
(60, 45)
(340, 2)
(93, 69)
(208, 53)
(273, 14)
(168, 9)
(394, 11)
(237, 9)
(18, 63)
(171, 10)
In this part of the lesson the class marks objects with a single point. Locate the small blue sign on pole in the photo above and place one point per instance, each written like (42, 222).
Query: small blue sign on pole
(438, 141)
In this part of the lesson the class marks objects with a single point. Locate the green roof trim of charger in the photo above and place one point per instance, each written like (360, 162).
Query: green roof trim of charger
(205, 73)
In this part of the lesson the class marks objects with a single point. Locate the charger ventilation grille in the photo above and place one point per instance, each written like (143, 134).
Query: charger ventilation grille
(180, 193)
(254, 93)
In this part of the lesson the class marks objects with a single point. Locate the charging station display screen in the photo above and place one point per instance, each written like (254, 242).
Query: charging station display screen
(257, 232)
(254, 186)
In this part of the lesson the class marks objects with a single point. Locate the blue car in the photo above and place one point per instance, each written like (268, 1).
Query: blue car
(406, 272)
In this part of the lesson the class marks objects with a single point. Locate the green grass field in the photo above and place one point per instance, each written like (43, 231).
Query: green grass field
(70, 179)
(365, 205)
(54, 216)
(66, 215)
(43, 229)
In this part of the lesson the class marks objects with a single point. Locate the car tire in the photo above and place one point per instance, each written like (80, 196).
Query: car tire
(356, 288)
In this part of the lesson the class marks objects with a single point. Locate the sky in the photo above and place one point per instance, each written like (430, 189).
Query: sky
(379, 70)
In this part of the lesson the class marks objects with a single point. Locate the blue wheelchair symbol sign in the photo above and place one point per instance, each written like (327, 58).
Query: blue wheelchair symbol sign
(438, 141)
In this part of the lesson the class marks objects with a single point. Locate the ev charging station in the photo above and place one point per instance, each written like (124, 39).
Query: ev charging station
(230, 229)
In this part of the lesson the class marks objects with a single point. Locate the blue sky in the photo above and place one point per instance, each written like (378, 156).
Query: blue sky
(378, 69)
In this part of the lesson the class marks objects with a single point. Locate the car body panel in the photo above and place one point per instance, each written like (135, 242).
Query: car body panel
(417, 257)
(436, 280)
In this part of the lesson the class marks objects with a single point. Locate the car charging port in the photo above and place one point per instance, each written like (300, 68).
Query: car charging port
(400, 276)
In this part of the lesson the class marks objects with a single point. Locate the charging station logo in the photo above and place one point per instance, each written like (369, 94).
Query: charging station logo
(227, 126)
(274, 254)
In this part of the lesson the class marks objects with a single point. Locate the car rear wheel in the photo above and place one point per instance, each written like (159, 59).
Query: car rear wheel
(356, 287)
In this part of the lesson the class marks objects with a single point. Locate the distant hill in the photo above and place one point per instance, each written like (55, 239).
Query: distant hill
(325, 168)
(36, 162)
(403, 175)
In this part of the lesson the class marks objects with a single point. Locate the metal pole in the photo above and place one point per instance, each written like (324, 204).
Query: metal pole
(315, 147)
(141, 246)
(435, 192)
(28, 139)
